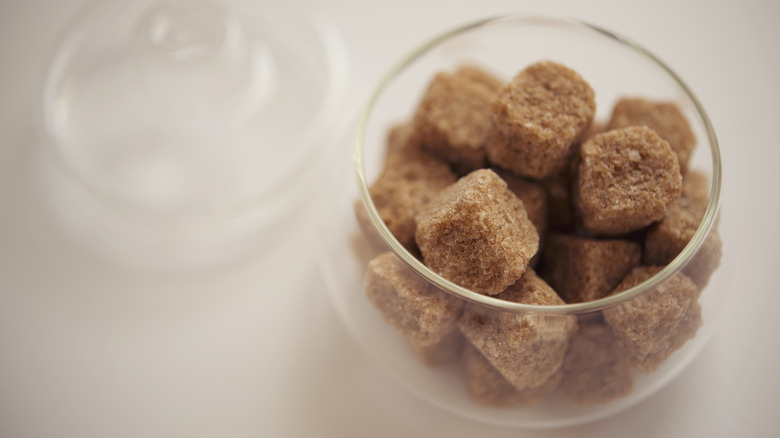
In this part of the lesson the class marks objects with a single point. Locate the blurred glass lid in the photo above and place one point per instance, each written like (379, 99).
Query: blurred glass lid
(195, 115)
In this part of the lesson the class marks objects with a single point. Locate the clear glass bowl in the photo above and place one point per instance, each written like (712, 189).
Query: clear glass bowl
(614, 67)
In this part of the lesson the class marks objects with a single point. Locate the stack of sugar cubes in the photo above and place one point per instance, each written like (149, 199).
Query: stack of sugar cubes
(511, 190)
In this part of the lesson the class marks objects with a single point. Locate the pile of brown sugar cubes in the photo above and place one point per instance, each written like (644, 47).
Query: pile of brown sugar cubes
(511, 190)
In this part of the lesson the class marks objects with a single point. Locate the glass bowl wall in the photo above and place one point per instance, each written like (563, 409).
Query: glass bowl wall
(614, 67)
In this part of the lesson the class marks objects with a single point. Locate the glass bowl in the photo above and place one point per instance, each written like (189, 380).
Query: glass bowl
(578, 361)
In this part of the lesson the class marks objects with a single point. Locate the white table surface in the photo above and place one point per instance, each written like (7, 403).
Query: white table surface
(89, 348)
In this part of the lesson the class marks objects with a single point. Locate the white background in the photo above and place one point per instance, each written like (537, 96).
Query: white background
(254, 349)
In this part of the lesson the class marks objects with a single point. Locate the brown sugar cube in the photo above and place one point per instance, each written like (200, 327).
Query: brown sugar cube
(626, 180)
(533, 196)
(534, 200)
(409, 181)
(397, 142)
(561, 212)
(400, 139)
(447, 350)
(480, 76)
(665, 118)
(667, 238)
(696, 186)
(488, 387)
(422, 313)
(583, 269)
(527, 349)
(595, 369)
(453, 120)
(597, 127)
(706, 260)
(367, 227)
(654, 325)
(537, 118)
(477, 234)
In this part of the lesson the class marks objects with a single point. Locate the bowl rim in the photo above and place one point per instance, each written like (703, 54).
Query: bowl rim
(495, 303)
